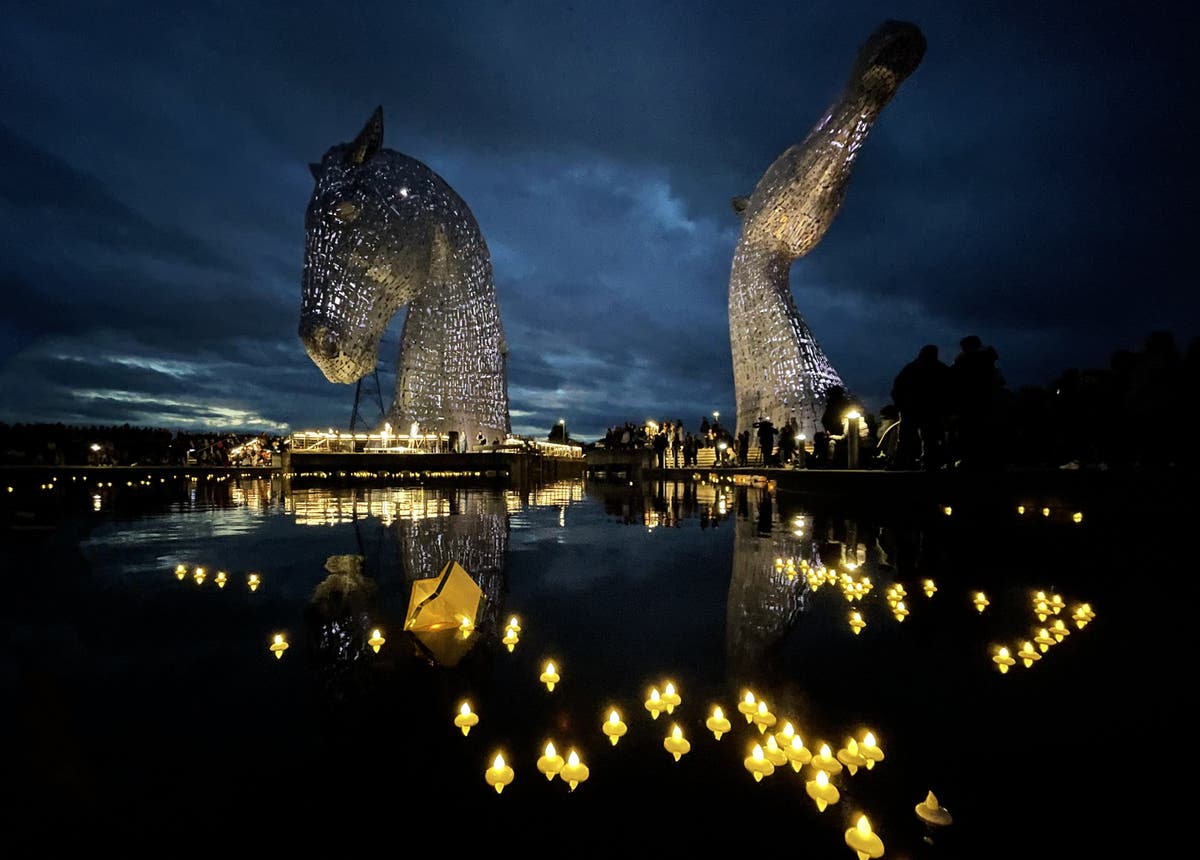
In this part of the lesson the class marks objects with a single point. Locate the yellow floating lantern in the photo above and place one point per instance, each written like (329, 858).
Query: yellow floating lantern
(574, 771)
(670, 697)
(253, 581)
(900, 611)
(279, 645)
(676, 744)
(763, 718)
(1044, 640)
(180, 571)
(869, 748)
(1003, 659)
(931, 812)
(499, 774)
(980, 600)
(856, 622)
(654, 703)
(758, 764)
(797, 754)
(773, 754)
(929, 587)
(510, 639)
(824, 760)
(717, 722)
(613, 727)
(862, 839)
(1028, 654)
(465, 718)
(199, 575)
(549, 676)
(822, 791)
(514, 625)
(850, 756)
(376, 641)
(1059, 630)
(550, 763)
(221, 579)
(1077, 517)
(747, 706)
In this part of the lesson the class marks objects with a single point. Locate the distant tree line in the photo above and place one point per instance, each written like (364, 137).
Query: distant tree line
(49, 444)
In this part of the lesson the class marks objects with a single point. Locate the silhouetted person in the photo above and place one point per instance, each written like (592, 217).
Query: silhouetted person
(766, 439)
(787, 442)
(976, 382)
(743, 448)
(837, 404)
(660, 443)
(921, 392)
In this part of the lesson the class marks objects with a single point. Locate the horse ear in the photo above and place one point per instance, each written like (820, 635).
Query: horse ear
(315, 170)
(369, 140)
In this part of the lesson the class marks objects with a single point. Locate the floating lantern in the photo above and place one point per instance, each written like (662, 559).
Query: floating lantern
(574, 771)
(514, 625)
(929, 588)
(279, 645)
(1044, 640)
(613, 727)
(862, 839)
(947, 510)
(676, 744)
(1045, 512)
(1021, 509)
(747, 706)
(180, 571)
(821, 790)
(784, 736)
(465, 718)
(1077, 517)
(550, 762)
(376, 641)
(900, 611)
(549, 676)
(670, 697)
(253, 581)
(980, 600)
(869, 749)
(1042, 610)
(1059, 630)
(758, 764)
(931, 812)
(1003, 659)
(850, 756)
(221, 579)
(824, 760)
(510, 639)
(465, 627)
(1083, 614)
(763, 718)
(856, 622)
(199, 575)
(773, 754)
(717, 723)
(797, 754)
(1028, 654)
(499, 774)
(654, 704)
(1056, 603)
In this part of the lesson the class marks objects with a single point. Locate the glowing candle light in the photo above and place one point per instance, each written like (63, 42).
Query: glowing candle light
(850, 756)
(947, 510)
(253, 581)
(180, 571)
(1083, 614)
(654, 704)
(1045, 512)
(900, 611)
(1028, 654)
(549, 676)
(574, 771)
(773, 754)
(1044, 640)
(279, 645)
(717, 723)
(869, 748)
(862, 839)
(221, 579)
(465, 718)
(376, 641)
(763, 718)
(499, 774)
(856, 622)
(822, 791)
(670, 697)
(1021, 509)
(929, 587)
(510, 639)
(931, 812)
(1042, 610)
(784, 736)
(797, 754)
(1077, 517)
(613, 727)
(1003, 659)
(824, 760)
(676, 744)
(747, 706)
(1056, 603)
(199, 575)
(550, 763)
(1059, 630)
(758, 764)
(514, 625)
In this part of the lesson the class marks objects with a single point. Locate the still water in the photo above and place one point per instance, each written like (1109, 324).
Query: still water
(149, 701)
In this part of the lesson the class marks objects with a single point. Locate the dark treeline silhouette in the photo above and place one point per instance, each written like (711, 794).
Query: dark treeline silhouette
(126, 445)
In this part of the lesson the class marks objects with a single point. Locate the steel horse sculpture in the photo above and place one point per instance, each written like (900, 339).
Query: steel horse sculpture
(779, 369)
(384, 231)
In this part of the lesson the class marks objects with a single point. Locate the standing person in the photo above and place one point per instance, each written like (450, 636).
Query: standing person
(677, 441)
(704, 437)
(787, 442)
(833, 422)
(743, 448)
(766, 440)
(689, 450)
(976, 383)
(921, 392)
(660, 443)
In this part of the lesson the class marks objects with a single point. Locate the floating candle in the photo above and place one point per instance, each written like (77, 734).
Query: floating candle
(757, 764)
(856, 622)
(1083, 614)
(670, 697)
(763, 718)
(797, 753)
(822, 791)
(931, 812)
(465, 718)
(514, 625)
(980, 600)
(1003, 659)
(773, 754)
(550, 762)
(900, 611)
(253, 581)
(180, 571)
(654, 704)
(499, 774)
(510, 639)
(613, 727)
(1059, 630)
(676, 744)
(870, 750)
(717, 723)
(222, 578)
(824, 760)
(574, 771)
(862, 839)
(747, 706)
(376, 641)
(199, 575)
(1028, 654)
(279, 645)
(549, 676)
(850, 756)
(1044, 640)
(929, 587)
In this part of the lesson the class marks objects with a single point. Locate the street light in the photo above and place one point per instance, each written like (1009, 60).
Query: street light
(716, 416)
(562, 422)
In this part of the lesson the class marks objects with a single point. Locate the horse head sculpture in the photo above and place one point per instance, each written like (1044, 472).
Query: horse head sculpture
(384, 231)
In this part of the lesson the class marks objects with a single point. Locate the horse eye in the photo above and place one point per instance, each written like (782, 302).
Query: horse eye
(345, 211)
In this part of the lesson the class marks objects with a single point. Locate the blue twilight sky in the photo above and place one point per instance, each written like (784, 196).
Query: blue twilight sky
(1026, 184)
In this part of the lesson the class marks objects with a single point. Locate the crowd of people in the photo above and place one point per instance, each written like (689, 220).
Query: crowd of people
(47, 444)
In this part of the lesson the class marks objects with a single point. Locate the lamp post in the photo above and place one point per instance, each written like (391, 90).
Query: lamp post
(852, 419)
(562, 422)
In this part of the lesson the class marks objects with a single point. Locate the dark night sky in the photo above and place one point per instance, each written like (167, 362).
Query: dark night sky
(1026, 184)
